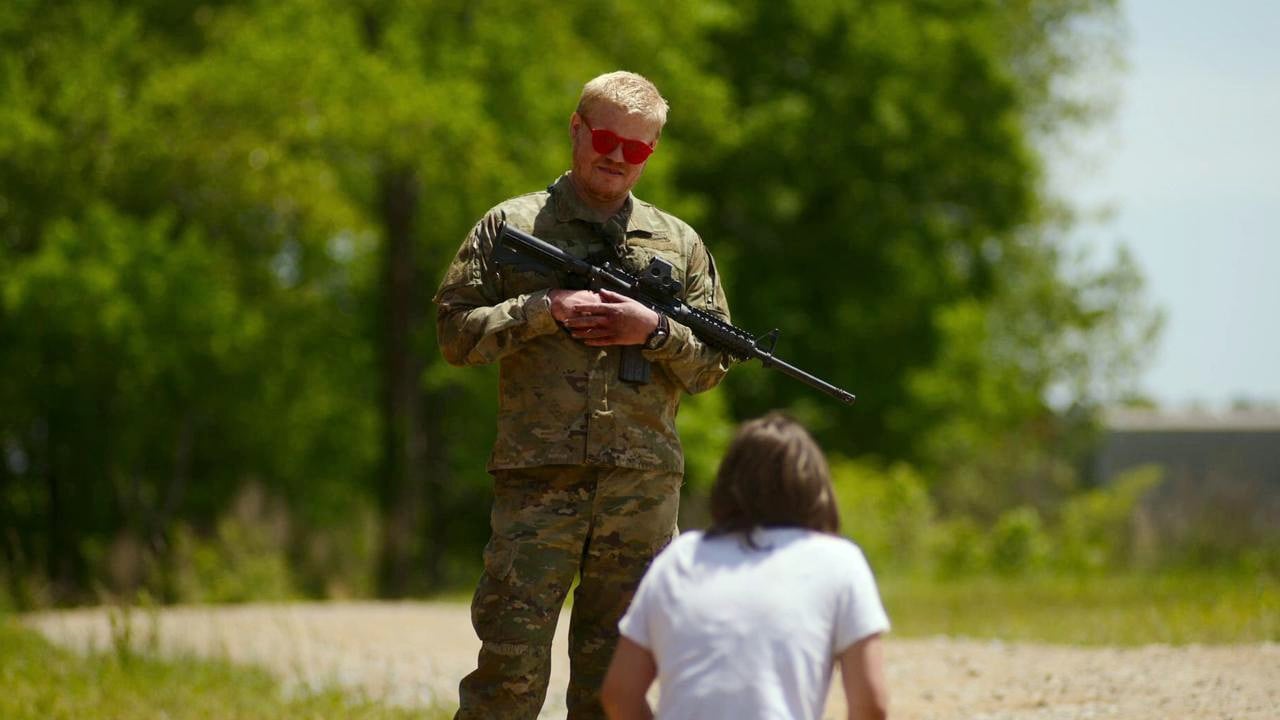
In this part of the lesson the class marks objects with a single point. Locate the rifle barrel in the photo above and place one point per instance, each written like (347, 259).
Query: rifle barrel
(711, 329)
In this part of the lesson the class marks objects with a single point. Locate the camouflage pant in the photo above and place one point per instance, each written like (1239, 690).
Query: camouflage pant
(550, 524)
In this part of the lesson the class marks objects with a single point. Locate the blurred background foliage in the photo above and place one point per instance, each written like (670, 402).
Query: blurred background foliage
(221, 224)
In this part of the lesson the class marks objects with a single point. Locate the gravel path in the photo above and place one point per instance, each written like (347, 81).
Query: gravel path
(414, 653)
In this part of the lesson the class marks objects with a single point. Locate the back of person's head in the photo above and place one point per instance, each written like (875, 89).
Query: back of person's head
(774, 475)
(627, 90)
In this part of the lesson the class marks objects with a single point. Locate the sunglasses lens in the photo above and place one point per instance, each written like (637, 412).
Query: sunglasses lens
(635, 152)
(604, 141)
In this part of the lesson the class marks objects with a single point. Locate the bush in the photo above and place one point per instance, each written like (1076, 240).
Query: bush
(338, 560)
(958, 547)
(247, 560)
(887, 511)
(1019, 543)
(1097, 528)
(706, 430)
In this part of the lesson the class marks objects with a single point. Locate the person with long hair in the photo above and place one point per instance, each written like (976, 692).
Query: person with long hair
(749, 618)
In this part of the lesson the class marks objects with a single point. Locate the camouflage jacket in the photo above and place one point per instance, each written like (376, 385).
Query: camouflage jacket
(560, 401)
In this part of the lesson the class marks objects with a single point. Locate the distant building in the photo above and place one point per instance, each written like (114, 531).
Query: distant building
(1221, 487)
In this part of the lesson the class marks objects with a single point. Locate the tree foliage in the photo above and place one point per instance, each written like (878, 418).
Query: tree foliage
(221, 224)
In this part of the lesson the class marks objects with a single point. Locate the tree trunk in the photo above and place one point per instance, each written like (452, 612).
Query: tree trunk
(63, 561)
(402, 490)
(437, 465)
(10, 537)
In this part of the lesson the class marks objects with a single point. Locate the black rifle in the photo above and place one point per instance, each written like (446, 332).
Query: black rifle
(657, 289)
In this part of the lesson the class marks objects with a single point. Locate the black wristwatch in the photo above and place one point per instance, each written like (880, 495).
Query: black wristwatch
(659, 334)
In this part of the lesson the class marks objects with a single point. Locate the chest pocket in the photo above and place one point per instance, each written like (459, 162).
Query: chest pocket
(519, 280)
(641, 250)
(516, 282)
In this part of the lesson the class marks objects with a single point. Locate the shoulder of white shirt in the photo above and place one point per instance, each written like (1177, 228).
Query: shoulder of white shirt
(692, 537)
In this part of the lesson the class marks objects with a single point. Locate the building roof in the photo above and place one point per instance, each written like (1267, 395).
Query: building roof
(1134, 420)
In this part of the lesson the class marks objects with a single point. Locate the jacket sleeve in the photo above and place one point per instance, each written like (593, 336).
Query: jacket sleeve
(695, 365)
(475, 323)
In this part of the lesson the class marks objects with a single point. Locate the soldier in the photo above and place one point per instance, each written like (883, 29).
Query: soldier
(587, 466)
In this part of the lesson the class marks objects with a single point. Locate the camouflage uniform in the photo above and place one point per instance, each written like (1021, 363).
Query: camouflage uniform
(587, 468)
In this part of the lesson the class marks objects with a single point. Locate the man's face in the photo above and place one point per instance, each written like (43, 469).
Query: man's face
(605, 180)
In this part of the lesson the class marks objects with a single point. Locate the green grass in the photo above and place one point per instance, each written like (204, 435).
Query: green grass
(39, 681)
(1123, 610)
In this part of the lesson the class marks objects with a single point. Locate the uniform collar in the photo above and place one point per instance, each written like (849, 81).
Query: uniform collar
(635, 216)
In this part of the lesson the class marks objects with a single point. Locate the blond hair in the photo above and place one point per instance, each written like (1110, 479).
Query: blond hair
(627, 90)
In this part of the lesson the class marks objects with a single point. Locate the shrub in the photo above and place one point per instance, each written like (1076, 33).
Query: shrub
(246, 560)
(958, 547)
(706, 430)
(1019, 543)
(338, 559)
(1097, 528)
(887, 511)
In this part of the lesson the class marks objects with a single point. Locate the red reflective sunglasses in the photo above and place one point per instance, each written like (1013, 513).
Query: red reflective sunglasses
(604, 141)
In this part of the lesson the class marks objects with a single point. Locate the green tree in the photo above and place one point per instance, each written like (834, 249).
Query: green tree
(221, 223)
(327, 157)
(890, 156)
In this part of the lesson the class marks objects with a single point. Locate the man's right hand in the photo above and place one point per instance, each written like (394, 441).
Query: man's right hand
(565, 303)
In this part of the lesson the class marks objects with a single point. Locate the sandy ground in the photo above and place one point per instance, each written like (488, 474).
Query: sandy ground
(414, 653)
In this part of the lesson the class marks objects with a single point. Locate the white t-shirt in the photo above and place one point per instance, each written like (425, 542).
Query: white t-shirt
(743, 633)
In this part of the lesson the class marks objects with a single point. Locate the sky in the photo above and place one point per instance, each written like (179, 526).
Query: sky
(1189, 166)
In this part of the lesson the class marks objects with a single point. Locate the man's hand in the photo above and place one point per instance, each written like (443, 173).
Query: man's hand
(566, 303)
(603, 319)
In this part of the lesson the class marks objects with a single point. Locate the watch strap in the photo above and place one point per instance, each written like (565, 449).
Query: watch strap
(659, 334)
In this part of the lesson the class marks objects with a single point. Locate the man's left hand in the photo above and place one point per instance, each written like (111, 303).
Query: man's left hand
(615, 320)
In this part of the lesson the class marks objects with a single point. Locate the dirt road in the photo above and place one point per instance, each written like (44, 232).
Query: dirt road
(414, 653)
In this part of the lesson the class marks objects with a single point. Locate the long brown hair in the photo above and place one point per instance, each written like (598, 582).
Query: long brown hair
(774, 475)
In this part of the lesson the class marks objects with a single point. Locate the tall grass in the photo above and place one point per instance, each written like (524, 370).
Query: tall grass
(1130, 609)
(39, 681)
